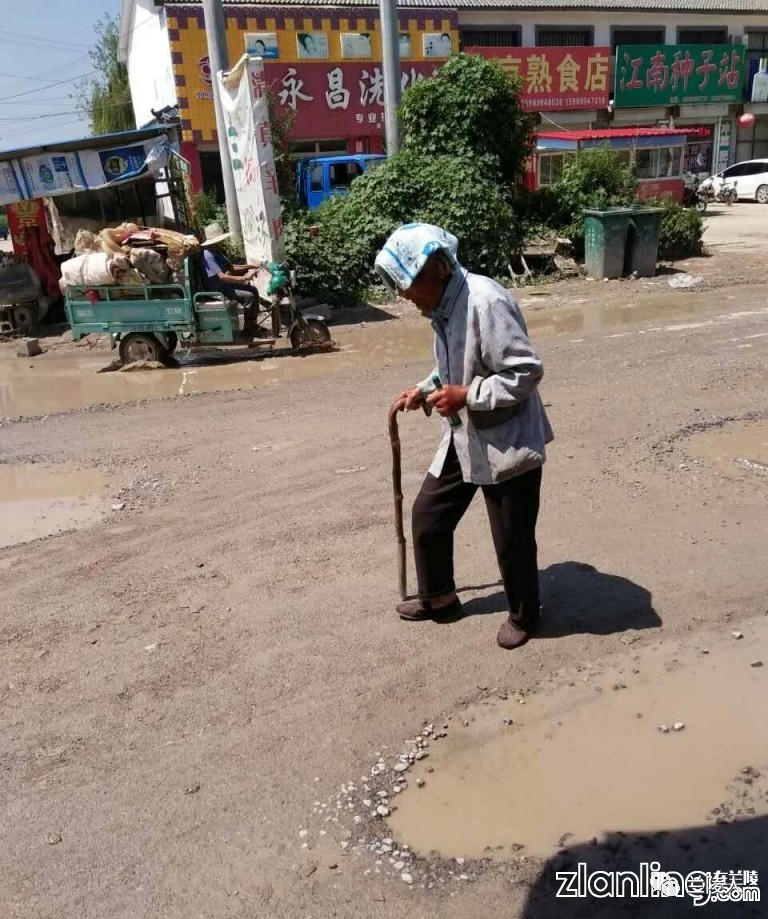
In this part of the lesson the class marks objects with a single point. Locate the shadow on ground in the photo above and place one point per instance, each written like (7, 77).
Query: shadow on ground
(735, 847)
(578, 599)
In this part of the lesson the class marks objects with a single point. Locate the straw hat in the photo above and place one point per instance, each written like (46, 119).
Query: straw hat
(214, 234)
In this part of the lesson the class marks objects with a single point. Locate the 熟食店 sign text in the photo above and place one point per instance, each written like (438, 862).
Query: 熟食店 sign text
(678, 74)
(556, 79)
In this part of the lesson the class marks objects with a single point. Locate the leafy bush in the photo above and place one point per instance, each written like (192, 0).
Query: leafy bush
(682, 229)
(336, 259)
(470, 108)
(207, 209)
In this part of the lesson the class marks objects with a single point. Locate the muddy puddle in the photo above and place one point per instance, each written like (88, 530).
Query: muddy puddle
(577, 763)
(65, 380)
(38, 501)
(586, 316)
(61, 382)
(735, 449)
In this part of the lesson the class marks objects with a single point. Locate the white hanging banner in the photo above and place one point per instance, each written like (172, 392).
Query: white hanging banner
(249, 135)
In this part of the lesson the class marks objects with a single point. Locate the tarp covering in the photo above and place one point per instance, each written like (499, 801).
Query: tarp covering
(48, 172)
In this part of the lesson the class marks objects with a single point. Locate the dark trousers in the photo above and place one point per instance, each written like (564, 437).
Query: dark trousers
(513, 507)
(243, 293)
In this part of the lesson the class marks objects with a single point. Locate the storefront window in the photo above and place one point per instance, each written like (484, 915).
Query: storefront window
(752, 143)
(698, 157)
(550, 167)
(563, 36)
(658, 163)
(702, 36)
(501, 37)
(757, 45)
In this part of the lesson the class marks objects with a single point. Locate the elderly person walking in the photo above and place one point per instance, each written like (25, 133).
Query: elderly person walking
(485, 386)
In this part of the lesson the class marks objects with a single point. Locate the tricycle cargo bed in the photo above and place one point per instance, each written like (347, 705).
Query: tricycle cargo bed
(117, 310)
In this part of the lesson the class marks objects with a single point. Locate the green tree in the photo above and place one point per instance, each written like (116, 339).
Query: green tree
(336, 256)
(105, 97)
(470, 108)
(465, 142)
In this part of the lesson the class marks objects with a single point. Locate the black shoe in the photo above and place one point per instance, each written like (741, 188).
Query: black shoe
(419, 610)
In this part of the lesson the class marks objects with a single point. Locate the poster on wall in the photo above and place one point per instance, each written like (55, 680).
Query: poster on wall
(356, 45)
(437, 45)
(262, 44)
(249, 135)
(312, 46)
(10, 186)
(724, 144)
(51, 173)
(404, 44)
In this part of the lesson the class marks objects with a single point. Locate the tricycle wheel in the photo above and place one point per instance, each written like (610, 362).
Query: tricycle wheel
(312, 332)
(141, 346)
(173, 341)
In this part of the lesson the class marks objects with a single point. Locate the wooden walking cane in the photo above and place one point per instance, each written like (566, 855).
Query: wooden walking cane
(397, 488)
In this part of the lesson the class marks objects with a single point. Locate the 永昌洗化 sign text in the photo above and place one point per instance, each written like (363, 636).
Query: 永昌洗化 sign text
(650, 75)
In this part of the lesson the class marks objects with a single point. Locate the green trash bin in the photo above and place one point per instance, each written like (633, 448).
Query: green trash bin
(605, 240)
(643, 241)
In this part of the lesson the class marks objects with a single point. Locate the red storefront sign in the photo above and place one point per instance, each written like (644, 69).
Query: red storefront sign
(335, 100)
(556, 79)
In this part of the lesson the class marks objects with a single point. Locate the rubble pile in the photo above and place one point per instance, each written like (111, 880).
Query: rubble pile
(126, 256)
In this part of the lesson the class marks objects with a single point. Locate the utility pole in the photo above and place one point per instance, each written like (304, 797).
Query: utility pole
(390, 60)
(218, 55)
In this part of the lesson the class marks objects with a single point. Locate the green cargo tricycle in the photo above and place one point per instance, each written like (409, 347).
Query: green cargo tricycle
(148, 323)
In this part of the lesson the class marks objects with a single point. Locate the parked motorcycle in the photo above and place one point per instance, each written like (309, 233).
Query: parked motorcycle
(691, 189)
(706, 194)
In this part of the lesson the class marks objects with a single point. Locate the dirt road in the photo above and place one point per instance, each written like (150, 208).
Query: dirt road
(191, 682)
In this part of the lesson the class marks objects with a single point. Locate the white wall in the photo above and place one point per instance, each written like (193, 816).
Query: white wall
(150, 69)
(602, 22)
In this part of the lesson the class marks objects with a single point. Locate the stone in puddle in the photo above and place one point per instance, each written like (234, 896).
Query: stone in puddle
(737, 634)
(663, 729)
(406, 878)
(679, 726)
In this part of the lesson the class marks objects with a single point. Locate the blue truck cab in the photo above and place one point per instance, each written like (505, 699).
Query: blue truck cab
(321, 177)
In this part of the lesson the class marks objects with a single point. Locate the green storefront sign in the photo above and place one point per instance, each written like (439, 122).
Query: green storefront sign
(679, 74)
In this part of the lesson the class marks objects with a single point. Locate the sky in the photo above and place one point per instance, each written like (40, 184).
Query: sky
(45, 42)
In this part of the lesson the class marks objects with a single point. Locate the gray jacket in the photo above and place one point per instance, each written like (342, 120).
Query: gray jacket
(481, 341)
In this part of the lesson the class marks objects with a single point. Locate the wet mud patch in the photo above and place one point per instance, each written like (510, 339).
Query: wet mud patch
(665, 744)
(734, 448)
(736, 445)
(38, 501)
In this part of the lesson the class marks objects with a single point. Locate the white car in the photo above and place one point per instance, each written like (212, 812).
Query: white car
(749, 177)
